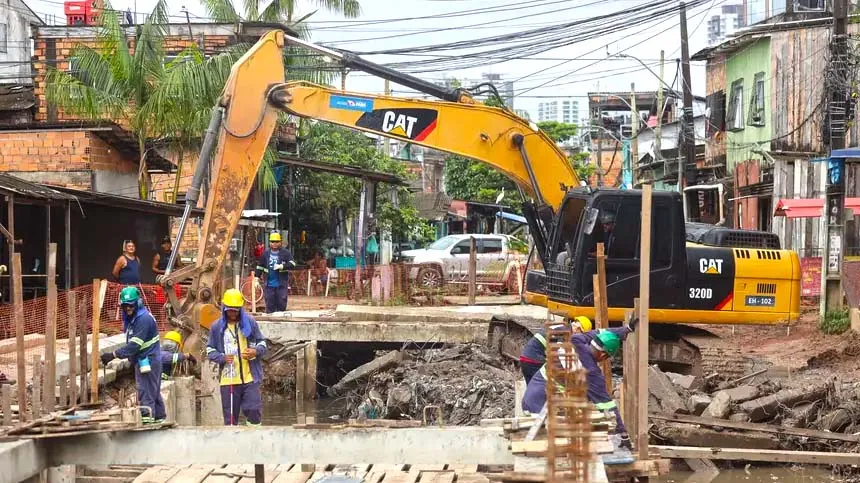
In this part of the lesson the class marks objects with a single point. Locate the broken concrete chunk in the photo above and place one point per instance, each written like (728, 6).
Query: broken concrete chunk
(719, 407)
(836, 420)
(764, 408)
(739, 417)
(690, 435)
(804, 414)
(742, 393)
(685, 381)
(662, 388)
(698, 403)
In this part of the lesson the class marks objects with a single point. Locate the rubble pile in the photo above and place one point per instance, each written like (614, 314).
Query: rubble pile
(463, 384)
(804, 412)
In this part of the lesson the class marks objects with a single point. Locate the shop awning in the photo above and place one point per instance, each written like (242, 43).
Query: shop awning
(809, 207)
(511, 217)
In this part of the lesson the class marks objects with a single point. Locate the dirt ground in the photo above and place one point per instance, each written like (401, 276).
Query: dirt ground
(802, 347)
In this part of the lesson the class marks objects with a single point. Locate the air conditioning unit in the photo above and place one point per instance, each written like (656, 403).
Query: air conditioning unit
(810, 5)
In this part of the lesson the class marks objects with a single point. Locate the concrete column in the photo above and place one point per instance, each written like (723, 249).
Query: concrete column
(168, 393)
(61, 474)
(185, 398)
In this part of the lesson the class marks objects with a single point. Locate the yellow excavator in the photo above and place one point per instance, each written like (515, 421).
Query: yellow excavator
(700, 274)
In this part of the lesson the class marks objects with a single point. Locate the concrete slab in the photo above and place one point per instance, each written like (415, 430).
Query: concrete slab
(450, 332)
(477, 313)
(21, 460)
(281, 445)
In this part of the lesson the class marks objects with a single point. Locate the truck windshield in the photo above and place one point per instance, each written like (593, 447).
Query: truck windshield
(442, 243)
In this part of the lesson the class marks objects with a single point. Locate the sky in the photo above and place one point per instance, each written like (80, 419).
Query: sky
(573, 70)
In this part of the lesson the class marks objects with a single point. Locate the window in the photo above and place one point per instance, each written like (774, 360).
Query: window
(464, 247)
(2, 37)
(490, 245)
(757, 101)
(735, 112)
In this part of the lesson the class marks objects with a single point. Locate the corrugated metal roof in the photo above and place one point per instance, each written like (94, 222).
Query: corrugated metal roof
(16, 186)
(135, 204)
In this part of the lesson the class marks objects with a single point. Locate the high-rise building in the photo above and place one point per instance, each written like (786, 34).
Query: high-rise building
(726, 22)
(560, 110)
(504, 87)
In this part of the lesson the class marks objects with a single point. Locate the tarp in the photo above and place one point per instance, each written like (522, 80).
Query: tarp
(809, 207)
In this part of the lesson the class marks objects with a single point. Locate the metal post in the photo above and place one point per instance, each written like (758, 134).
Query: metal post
(835, 192)
(634, 115)
(359, 237)
(658, 130)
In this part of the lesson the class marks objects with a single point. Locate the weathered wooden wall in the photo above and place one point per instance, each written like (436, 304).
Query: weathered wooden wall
(715, 82)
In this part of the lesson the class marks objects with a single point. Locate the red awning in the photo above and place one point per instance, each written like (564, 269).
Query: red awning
(809, 208)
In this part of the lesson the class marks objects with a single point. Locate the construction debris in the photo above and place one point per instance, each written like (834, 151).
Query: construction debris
(462, 384)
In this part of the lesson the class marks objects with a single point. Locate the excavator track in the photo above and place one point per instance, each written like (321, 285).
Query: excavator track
(685, 349)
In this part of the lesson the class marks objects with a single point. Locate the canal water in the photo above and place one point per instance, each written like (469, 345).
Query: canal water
(282, 412)
(774, 474)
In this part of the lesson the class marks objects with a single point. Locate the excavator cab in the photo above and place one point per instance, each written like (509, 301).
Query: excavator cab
(612, 217)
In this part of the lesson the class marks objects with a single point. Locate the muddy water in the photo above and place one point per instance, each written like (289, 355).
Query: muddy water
(283, 412)
(754, 475)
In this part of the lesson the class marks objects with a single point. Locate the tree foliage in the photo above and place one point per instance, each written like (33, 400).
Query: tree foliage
(335, 193)
(558, 131)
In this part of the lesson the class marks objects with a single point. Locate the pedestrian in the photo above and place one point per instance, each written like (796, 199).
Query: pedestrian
(159, 261)
(126, 269)
(144, 350)
(172, 355)
(273, 266)
(534, 353)
(591, 348)
(237, 346)
(319, 269)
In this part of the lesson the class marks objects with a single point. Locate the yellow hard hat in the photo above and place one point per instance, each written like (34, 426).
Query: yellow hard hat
(174, 336)
(275, 237)
(233, 298)
(584, 323)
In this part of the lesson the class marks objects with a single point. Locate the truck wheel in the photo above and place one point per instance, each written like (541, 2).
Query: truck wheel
(430, 277)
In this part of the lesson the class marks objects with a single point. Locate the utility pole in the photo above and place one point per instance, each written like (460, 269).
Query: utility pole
(835, 194)
(658, 132)
(387, 142)
(343, 79)
(688, 154)
(634, 134)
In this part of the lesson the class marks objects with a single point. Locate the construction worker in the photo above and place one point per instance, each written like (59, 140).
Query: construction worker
(534, 353)
(274, 263)
(237, 346)
(591, 348)
(172, 355)
(144, 350)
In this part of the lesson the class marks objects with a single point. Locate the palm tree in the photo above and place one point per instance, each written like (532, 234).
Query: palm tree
(139, 90)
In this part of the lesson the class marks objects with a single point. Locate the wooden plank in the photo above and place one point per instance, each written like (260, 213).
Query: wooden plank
(401, 476)
(463, 468)
(51, 332)
(18, 312)
(769, 455)
(311, 370)
(72, 304)
(190, 475)
(438, 477)
(601, 309)
(539, 448)
(284, 467)
(758, 427)
(37, 386)
(642, 329)
(94, 364)
(427, 467)
(472, 478)
(82, 351)
(6, 404)
(473, 270)
(157, 474)
(293, 477)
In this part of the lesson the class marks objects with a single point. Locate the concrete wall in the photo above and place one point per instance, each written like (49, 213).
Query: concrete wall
(745, 65)
(15, 66)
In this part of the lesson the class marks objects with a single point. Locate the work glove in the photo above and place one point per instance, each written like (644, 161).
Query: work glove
(633, 324)
(279, 266)
(107, 357)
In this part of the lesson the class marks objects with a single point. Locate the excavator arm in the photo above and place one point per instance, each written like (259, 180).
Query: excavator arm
(242, 124)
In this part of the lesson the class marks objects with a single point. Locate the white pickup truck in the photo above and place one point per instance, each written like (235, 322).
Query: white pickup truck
(447, 261)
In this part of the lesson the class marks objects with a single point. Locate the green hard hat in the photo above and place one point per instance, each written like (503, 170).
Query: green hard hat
(609, 341)
(129, 295)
